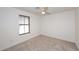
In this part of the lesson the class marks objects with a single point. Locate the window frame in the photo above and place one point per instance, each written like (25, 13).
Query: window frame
(25, 24)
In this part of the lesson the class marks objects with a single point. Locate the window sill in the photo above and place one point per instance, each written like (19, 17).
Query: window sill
(25, 33)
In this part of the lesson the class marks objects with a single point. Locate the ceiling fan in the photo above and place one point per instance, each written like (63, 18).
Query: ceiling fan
(43, 10)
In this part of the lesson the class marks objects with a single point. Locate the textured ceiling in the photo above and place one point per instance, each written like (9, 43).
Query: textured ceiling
(51, 10)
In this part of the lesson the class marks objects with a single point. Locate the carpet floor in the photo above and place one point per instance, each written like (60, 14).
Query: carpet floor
(44, 43)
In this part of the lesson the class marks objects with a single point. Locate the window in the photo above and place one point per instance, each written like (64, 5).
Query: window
(24, 24)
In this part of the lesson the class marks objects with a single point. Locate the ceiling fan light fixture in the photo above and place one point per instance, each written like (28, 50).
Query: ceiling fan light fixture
(43, 12)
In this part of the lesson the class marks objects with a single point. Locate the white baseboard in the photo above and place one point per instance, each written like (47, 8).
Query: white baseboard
(57, 38)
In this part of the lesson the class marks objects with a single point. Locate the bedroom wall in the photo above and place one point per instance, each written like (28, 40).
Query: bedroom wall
(9, 27)
(60, 25)
(77, 27)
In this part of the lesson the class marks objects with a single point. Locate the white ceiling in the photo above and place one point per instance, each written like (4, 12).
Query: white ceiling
(51, 10)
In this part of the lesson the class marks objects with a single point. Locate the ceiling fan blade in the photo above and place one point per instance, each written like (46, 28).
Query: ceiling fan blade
(44, 8)
(37, 7)
(48, 13)
(38, 13)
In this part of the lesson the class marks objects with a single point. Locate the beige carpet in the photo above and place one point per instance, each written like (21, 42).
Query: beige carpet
(44, 43)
